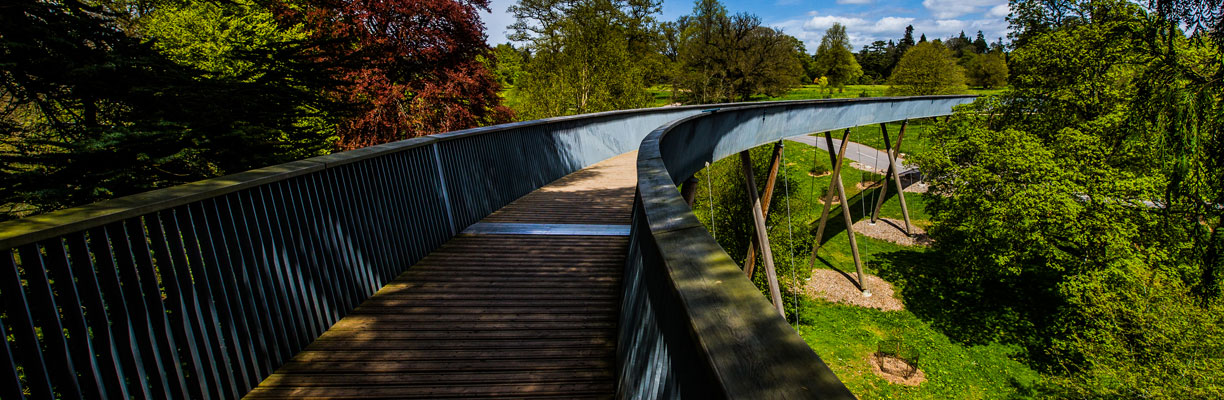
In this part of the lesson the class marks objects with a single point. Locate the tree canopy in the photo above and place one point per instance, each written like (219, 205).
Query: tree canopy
(732, 57)
(927, 69)
(834, 59)
(1079, 211)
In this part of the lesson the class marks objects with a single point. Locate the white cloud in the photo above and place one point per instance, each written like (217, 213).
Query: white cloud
(999, 11)
(947, 9)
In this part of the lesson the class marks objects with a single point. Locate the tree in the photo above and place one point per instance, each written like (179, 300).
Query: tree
(979, 45)
(927, 69)
(413, 66)
(91, 112)
(731, 58)
(834, 59)
(987, 71)
(508, 64)
(586, 54)
(1079, 211)
(876, 60)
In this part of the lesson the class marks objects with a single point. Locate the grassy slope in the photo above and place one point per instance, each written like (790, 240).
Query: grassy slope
(846, 336)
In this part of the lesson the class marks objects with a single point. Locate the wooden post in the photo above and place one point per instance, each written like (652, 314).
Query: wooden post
(845, 207)
(688, 191)
(762, 235)
(894, 171)
(775, 159)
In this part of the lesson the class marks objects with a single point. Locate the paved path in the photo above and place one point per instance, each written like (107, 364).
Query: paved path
(523, 304)
(860, 153)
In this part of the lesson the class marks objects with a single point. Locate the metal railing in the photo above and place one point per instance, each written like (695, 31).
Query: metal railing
(691, 324)
(204, 289)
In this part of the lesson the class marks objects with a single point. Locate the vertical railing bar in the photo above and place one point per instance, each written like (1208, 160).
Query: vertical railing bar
(300, 264)
(247, 291)
(221, 309)
(125, 337)
(180, 318)
(231, 318)
(408, 200)
(325, 209)
(46, 314)
(361, 217)
(263, 272)
(196, 280)
(311, 250)
(341, 230)
(310, 243)
(416, 198)
(280, 267)
(360, 267)
(29, 349)
(110, 370)
(376, 213)
(72, 316)
(160, 357)
(10, 381)
(450, 215)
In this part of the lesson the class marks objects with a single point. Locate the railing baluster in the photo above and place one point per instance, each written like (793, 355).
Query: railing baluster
(244, 290)
(259, 273)
(307, 264)
(287, 235)
(124, 336)
(110, 370)
(146, 313)
(10, 380)
(45, 309)
(29, 349)
(225, 316)
(196, 282)
(282, 281)
(325, 215)
(181, 318)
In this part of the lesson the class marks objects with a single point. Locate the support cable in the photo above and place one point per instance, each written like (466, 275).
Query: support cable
(790, 234)
(710, 197)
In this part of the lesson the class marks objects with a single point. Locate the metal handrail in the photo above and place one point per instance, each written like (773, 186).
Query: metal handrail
(692, 325)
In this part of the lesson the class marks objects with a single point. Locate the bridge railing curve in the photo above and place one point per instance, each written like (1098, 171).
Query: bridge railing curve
(691, 324)
(202, 290)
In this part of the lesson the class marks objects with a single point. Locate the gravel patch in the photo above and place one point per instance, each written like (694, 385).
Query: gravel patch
(838, 287)
(896, 370)
(893, 230)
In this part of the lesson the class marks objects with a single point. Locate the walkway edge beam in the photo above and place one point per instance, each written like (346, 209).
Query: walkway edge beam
(691, 324)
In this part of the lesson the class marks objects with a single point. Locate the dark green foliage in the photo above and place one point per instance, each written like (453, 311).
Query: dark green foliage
(733, 57)
(986, 71)
(91, 113)
(1080, 217)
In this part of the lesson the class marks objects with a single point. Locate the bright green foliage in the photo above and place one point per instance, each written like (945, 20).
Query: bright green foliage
(508, 64)
(584, 54)
(926, 69)
(987, 71)
(214, 36)
(1080, 217)
(834, 59)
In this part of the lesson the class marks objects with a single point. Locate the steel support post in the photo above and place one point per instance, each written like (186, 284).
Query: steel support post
(836, 182)
(894, 172)
(762, 235)
(766, 200)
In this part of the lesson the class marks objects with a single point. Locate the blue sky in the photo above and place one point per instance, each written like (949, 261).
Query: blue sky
(865, 20)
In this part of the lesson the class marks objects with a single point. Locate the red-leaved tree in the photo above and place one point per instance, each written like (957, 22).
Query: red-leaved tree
(412, 66)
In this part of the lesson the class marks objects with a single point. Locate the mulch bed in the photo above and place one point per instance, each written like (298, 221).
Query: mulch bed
(838, 287)
(896, 370)
(893, 230)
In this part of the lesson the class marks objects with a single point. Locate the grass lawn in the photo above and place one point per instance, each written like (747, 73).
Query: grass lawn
(846, 336)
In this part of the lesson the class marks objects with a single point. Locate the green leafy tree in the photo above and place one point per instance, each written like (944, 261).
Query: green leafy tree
(508, 64)
(987, 71)
(585, 54)
(732, 58)
(1080, 215)
(876, 61)
(928, 68)
(834, 59)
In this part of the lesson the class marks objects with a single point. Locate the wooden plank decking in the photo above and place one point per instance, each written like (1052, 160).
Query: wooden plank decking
(489, 315)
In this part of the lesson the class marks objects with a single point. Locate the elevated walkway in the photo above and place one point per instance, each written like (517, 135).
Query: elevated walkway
(522, 304)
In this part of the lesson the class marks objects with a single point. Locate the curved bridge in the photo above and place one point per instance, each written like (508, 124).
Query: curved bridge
(454, 265)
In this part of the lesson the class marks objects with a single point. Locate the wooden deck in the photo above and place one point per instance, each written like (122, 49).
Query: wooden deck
(489, 315)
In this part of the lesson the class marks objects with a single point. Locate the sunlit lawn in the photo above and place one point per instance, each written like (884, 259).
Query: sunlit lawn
(845, 336)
